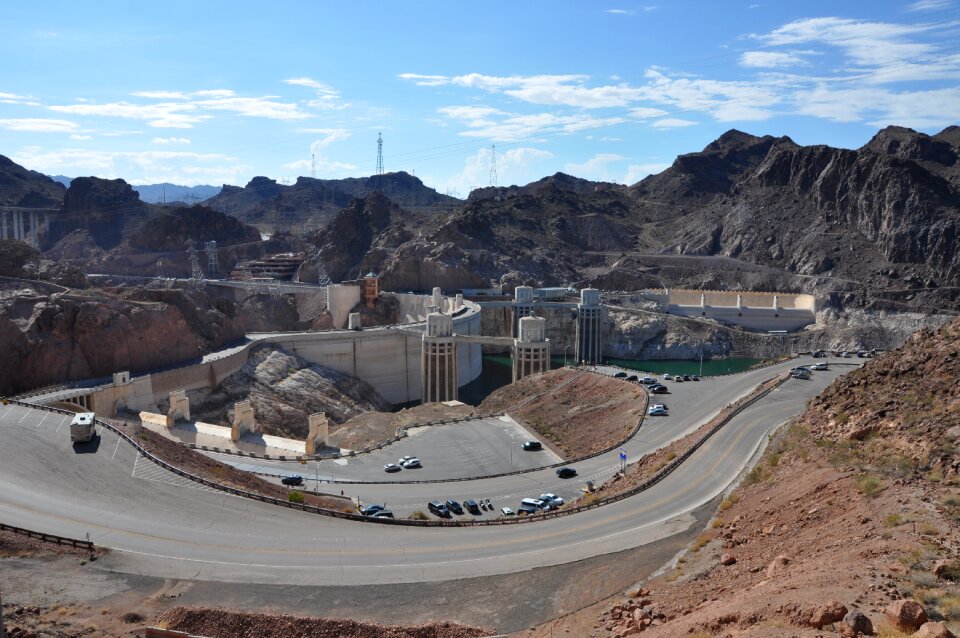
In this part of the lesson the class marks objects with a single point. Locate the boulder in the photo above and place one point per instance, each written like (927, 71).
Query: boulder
(826, 614)
(906, 614)
(728, 559)
(777, 565)
(858, 623)
(933, 630)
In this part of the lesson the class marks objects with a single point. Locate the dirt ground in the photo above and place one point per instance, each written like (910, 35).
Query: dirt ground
(578, 413)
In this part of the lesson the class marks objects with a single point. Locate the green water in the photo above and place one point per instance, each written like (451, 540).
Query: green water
(498, 371)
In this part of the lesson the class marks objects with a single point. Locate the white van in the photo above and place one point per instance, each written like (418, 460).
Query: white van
(83, 427)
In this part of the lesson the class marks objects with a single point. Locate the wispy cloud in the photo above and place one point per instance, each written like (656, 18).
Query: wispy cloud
(672, 122)
(425, 80)
(597, 168)
(328, 98)
(636, 172)
(38, 125)
(621, 12)
(770, 59)
(318, 156)
(929, 5)
(497, 125)
(170, 140)
(515, 166)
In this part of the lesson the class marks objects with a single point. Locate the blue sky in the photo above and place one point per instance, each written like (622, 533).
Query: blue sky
(218, 92)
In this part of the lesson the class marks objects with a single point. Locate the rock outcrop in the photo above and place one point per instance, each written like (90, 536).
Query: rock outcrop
(26, 188)
(284, 390)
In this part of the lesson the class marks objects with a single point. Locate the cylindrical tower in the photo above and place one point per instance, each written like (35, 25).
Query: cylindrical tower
(438, 362)
(589, 326)
(531, 351)
(522, 306)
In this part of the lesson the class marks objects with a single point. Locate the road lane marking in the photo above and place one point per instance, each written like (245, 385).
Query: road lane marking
(62, 421)
(116, 448)
(25, 413)
(135, 461)
(42, 420)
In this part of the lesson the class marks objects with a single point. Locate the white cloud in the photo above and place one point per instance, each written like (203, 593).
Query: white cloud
(328, 98)
(916, 109)
(170, 140)
(214, 93)
(636, 172)
(558, 90)
(81, 137)
(38, 125)
(597, 168)
(161, 95)
(672, 122)
(621, 12)
(324, 165)
(265, 107)
(160, 115)
(146, 167)
(645, 112)
(425, 80)
(770, 59)
(929, 5)
(726, 101)
(516, 127)
(515, 166)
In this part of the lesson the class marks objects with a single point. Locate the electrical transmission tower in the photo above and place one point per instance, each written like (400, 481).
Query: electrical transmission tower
(379, 161)
(313, 166)
(196, 273)
(213, 263)
(493, 165)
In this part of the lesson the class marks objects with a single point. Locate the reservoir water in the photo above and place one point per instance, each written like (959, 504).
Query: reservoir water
(498, 371)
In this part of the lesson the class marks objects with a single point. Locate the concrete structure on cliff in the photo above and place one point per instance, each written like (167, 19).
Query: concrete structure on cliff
(758, 311)
(531, 350)
(438, 363)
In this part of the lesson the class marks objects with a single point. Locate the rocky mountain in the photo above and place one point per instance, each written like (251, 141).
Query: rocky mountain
(167, 193)
(878, 224)
(316, 201)
(30, 189)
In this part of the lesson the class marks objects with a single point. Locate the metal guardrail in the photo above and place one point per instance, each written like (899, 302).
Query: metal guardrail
(50, 538)
(659, 476)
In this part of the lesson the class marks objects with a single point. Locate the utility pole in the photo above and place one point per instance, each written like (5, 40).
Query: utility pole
(379, 179)
(493, 165)
(313, 166)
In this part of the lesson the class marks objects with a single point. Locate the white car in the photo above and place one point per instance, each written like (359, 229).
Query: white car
(552, 499)
(667, 376)
(819, 366)
(506, 511)
(657, 410)
(411, 462)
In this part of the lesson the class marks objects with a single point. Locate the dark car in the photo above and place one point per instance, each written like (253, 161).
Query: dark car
(454, 507)
(292, 479)
(620, 375)
(371, 510)
(439, 509)
(532, 446)
(687, 377)
(633, 377)
(472, 506)
(566, 472)
(694, 377)
(659, 389)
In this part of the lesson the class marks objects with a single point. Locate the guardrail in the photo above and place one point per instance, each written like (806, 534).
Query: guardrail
(656, 478)
(49, 538)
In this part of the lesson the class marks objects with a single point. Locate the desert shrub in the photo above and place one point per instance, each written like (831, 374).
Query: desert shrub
(892, 520)
(869, 485)
(295, 497)
(842, 417)
(928, 529)
(418, 516)
(729, 502)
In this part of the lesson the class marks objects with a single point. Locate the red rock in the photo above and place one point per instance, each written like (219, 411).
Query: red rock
(933, 630)
(906, 614)
(728, 559)
(827, 613)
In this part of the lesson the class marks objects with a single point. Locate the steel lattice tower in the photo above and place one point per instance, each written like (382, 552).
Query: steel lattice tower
(493, 165)
(196, 273)
(213, 263)
(379, 179)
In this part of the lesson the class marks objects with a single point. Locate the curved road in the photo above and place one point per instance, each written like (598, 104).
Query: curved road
(160, 524)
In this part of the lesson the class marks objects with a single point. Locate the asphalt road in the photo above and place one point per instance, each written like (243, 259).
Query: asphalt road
(159, 525)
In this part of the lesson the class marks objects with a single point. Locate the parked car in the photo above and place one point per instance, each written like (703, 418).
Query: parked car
(694, 377)
(566, 472)
(632, 377)
(532, 446)
(506, 511)
(553, 499)
(472, 506)
(439, 509)
(648, 381)
(819, 354)
(620, 375)
(411, 463)
(687, 377)
(391, 467)
(405, 459)
(820, 366)
(527, 509)
(383, 514)
(667, 376)
(292, 479)
(800, 374)
(370, 510)
(657, 410)
(678, 378)
(454, 507)
(659, 389)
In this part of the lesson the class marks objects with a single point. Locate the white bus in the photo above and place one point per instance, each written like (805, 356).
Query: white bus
(83, 427)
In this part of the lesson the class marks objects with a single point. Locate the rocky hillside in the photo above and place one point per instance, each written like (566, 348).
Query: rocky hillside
(30, 189)
(284, 390)
(53, 334)
(878, 225)
(317, 201)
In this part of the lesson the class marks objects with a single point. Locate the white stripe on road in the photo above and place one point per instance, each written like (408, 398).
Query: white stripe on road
(116, 448)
